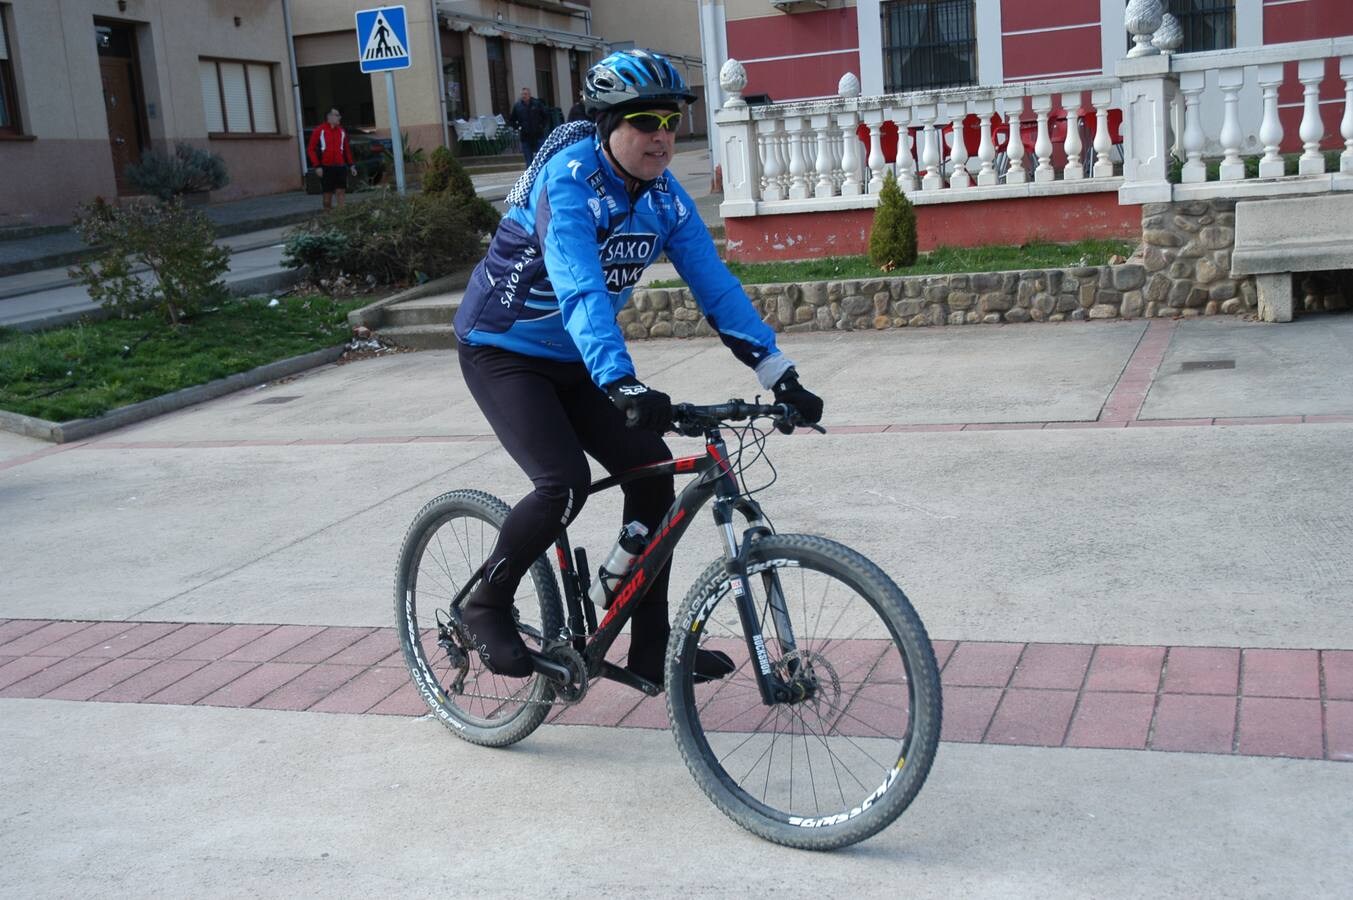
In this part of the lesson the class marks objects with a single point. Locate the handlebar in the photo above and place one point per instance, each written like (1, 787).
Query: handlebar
(692, 420)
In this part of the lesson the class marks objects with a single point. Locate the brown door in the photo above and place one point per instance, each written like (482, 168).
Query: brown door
(119, 99)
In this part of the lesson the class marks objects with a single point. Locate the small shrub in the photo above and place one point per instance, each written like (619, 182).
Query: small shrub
(390, 238)
(174, 243)
(187, 170)
(892, 241)
(445, 174)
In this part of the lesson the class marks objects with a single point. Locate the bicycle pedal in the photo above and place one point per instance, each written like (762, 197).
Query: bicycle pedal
(629, 679)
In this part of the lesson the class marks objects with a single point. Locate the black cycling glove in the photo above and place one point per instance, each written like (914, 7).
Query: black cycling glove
(805, 402)
(643, 407)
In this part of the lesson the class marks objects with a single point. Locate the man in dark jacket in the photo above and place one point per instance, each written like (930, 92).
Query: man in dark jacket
(532, 120)
(579, 109)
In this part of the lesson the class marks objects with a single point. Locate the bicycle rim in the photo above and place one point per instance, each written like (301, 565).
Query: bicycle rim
(444, 549)
(845, 760)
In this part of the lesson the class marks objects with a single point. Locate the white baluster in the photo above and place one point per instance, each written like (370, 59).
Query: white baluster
(1346, 124)
(1176, 125)
(1014, 147)
(1192, 84)
(786, 178)
(773, 190)
(928, 149)
(838, 160)
(905, 162)
(1310, 72)
(959, 177)
(1043, 145)
(1075, 166)
(850, 156)
(1271, 129)
(986, 148)
(1231, 81)
(826, 187)
(799, 188)
(876, 158)
(1103, 143)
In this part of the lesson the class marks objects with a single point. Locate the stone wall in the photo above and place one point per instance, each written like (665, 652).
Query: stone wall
(1181, 269)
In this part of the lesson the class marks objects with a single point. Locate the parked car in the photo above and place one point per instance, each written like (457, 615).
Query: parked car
(368, 153)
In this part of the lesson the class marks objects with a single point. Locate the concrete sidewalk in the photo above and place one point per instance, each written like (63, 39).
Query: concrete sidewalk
(1036, 490)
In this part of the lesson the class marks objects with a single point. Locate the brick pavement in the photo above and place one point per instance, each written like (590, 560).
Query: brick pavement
(1223, 700)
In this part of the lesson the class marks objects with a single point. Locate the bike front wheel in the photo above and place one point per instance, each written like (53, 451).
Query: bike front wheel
(446, 545)
(844, 758)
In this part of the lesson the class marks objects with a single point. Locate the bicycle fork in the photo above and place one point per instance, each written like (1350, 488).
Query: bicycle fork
(773, 689)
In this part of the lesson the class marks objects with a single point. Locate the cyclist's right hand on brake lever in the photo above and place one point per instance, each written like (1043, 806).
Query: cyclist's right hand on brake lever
(806, 404)
(643, 407)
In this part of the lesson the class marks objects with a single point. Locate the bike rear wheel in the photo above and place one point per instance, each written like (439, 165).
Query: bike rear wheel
(447, 543)
(843, 761)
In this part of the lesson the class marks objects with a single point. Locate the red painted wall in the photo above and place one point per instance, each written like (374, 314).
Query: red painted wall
(792, 36)
(1024, 15)
(1307, 20)
(1042, 53)
(983, 222)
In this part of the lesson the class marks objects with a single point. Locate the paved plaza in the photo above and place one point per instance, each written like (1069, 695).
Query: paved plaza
(1128, 540)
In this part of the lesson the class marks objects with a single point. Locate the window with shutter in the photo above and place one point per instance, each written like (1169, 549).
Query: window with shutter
(261, 98)
(235, 91)
(211, 97)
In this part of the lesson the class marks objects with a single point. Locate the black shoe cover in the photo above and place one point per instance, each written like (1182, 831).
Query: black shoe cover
(494, 634)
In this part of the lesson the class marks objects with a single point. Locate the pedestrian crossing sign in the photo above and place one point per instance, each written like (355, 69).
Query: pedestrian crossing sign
(382, 39)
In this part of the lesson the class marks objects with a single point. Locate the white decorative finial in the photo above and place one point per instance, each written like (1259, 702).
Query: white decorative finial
(1142, 18)
(732, 79)
(848, 86)
(1169, 36)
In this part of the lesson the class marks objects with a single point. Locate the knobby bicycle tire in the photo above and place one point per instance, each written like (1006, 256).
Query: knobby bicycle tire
(901, 783)
(419, 649)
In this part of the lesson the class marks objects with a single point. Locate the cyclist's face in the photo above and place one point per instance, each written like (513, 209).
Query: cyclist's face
(645, 156)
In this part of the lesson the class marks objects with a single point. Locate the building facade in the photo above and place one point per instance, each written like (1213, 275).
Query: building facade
(88, 86)
(799, 49)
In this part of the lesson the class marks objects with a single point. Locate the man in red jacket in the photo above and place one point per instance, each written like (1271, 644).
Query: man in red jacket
(331, 156)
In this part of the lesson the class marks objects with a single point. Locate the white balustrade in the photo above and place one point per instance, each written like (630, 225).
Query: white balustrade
(929, 140)
(1014, 150)
(798, 165)
(850, 157)
(1075, 167)
(986, 148)
(1346, 123)
(1191, 84)
(1103, 142)
(959, 176)
(1231, 81)
(826, 165)
(1271, 129)
(906, 161)
(1042, 105)
(1310, 72)
(769, 131)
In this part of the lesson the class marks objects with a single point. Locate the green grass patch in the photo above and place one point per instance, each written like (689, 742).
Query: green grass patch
(89, 368)
(941, 261)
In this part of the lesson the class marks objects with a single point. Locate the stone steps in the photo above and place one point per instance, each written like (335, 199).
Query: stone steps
(419, 337)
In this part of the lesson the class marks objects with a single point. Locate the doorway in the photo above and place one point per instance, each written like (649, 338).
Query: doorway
(122, 97)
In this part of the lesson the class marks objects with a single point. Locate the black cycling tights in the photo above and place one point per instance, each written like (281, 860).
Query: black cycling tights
(547, 415)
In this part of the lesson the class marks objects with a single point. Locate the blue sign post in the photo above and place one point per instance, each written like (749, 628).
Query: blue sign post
(383, 46)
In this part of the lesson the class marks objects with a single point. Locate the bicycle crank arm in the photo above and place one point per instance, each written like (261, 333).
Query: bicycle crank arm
(550, 669)
(629, 679)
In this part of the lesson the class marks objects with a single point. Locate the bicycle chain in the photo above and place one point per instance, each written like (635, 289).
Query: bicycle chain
(563, 695)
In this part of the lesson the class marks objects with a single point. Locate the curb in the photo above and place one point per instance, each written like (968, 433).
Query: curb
(371, 315)
(79, 429)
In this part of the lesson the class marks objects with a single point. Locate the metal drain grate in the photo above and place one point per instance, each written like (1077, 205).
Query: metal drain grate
(272, 401)
(1195, 365)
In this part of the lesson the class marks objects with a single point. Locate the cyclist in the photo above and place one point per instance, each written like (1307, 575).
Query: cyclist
(545, 360)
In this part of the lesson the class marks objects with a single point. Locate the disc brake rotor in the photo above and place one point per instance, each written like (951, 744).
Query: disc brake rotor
(812, 679)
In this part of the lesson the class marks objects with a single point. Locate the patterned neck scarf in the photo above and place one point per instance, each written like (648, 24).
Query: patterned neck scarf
(563, 136)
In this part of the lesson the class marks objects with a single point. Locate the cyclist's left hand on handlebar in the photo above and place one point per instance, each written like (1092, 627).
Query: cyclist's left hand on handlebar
(643, 407)
(807, 404)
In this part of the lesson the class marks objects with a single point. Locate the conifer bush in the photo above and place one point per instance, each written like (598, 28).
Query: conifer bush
(892, 241)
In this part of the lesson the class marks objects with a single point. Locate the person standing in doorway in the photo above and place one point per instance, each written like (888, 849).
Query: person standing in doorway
(579, 109)
(531, 120)
(331, 156)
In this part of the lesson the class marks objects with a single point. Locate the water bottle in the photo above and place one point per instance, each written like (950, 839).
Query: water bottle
(631, 543)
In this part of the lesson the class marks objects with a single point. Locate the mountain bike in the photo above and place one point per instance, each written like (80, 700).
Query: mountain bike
(821, 736)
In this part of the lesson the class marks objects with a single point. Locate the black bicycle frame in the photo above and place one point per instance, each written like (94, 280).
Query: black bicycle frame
(714, 479)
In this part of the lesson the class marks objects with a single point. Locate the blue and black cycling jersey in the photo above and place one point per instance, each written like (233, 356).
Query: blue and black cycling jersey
(561, 267)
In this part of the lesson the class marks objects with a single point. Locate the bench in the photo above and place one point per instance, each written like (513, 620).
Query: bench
(1275, 238)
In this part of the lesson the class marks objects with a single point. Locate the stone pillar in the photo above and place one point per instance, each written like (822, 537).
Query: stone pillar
(521, 64)
(478, 96)
(1149, 90)
(1275, 297)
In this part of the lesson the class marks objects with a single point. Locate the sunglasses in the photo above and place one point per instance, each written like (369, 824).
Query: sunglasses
(647, 122)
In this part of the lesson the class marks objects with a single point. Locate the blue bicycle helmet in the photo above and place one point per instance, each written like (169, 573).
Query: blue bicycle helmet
(629, 77)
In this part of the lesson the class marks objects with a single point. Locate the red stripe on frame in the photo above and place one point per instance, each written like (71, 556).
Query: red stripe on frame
(1021, 15)
(1050, 52)
(789, 79)
(789, 35)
